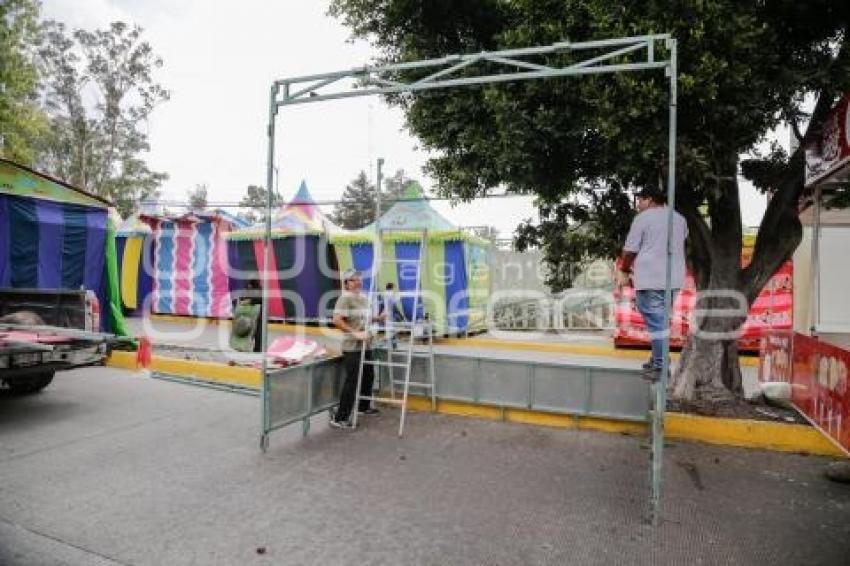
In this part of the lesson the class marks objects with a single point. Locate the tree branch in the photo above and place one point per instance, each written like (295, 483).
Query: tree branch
(781, 230)
(699, 237)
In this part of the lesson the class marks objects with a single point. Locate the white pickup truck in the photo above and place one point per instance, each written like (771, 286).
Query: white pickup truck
(45, 331)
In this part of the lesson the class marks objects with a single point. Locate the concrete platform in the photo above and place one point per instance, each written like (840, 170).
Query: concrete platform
(198, 333)
(106, 467)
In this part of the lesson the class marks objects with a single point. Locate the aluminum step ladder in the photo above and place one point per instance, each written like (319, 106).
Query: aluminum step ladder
(419, 323)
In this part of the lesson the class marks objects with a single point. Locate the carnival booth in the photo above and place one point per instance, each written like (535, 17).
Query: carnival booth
(455, 277)
(809, 364)
(177, 264)
(303, 272)
(135, 263)
(772, 309)
(55, 236)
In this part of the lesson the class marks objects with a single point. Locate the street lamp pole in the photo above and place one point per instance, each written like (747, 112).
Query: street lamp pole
(378, 191)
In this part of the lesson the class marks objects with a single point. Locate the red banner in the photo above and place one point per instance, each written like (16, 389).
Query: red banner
(773, 309)
(817, 372)
(830, 152)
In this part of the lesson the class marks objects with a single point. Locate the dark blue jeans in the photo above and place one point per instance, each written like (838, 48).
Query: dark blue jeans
(650, 304)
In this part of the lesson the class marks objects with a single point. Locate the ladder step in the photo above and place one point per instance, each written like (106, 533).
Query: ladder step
(414, 383)
(384, 364)
(413, 354)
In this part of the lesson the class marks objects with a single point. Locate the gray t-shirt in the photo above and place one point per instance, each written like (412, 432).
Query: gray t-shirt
(354, 309)
(648, 239)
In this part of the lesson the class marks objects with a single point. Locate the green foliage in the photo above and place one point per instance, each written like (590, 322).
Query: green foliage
(99, 92)
(254, 203)
(197, 197)
(393, 188)
(356, 208)
(580, 144)
(575, 232)
(22, 121)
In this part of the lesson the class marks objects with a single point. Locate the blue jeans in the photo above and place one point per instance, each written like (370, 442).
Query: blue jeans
(650, 304)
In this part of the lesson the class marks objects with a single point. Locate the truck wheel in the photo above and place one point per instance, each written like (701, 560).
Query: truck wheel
(32, 384)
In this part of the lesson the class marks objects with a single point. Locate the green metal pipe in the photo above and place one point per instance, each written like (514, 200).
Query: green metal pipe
(661, 386)
(469, 81)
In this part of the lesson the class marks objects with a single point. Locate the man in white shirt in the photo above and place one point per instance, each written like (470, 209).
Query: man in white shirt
(645, 259)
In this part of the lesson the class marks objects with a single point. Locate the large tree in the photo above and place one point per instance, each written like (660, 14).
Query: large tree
(100, 92)
(22, 121)
(580, 145)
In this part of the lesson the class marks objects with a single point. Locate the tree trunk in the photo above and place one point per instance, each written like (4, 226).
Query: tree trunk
(708, 370)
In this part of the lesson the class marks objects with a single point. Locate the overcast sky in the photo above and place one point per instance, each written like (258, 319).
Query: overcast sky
(220, 58)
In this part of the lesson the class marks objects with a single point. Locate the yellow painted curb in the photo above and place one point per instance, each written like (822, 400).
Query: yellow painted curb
(744, 433)
(525, 416)
(205, 371)
(781, 437)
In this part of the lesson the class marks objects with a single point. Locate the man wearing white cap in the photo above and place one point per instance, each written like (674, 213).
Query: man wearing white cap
(351, 315)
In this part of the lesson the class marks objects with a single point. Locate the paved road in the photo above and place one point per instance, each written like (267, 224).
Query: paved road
(106, 467)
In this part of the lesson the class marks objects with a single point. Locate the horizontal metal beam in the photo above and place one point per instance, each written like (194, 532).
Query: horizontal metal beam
(471, 81)
(442, 68)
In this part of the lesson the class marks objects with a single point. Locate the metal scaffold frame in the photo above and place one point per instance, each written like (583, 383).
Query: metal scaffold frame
(444, 73)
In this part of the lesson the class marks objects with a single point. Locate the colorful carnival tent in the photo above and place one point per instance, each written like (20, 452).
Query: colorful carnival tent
(455, 268)
(303, 270)
(177, 264)
(55, 236)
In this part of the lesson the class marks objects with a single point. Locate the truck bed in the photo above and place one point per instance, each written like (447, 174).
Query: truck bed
(25, 350)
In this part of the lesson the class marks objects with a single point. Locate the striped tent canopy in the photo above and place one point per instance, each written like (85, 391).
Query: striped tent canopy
(55, 236)
(412, 212)
(299, 216)
(180, 265)
(302, 215)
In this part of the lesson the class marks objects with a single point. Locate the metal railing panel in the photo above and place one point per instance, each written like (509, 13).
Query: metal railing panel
(618, 393)
(560, 389)
(298, 392)
(505, 383)
(456, 377)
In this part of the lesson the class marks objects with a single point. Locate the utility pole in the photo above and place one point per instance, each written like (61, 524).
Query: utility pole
(378, 190)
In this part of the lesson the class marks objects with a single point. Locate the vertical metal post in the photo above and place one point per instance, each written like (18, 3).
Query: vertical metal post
(380, 177)
(378, 190)
(814, 276)
(266, 250)
(657, 456)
